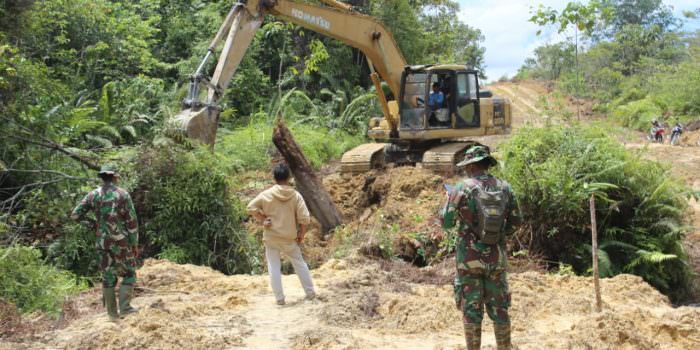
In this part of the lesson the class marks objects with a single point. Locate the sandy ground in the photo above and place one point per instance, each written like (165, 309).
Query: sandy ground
(362, 306)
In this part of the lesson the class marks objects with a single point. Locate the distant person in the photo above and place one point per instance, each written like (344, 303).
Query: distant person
(656, 133)
(117, 239)
(676, 133)
(486, 211)
(436, 100)
(284, 215)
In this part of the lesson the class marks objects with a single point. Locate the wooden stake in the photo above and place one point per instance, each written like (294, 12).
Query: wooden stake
(308, 184)
(594, 234)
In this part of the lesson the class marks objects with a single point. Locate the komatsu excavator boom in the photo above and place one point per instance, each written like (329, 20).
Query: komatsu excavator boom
(412, 129)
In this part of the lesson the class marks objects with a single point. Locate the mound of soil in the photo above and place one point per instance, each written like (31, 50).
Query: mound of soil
(364, 305)
(692, 126)
(402, 202)
(690, 138)
(394, 190)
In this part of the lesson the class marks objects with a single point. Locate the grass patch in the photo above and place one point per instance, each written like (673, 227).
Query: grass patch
(251, 148)
(31, 284)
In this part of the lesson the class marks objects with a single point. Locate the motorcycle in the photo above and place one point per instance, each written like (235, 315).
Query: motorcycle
(657, 134)
(676, 135)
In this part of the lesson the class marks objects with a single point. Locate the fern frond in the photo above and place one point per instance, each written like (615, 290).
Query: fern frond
(667, 225)
(605, 266)
(655, 257)
(99, 141)
(618, 244)
(110, 131)
(128, 130)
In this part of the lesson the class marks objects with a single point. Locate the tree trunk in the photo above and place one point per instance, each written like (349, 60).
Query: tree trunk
(317, 199)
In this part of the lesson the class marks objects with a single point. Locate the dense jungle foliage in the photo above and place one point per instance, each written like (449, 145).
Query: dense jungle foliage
(84, 82)
(633, 58)
(637, 64)
(640, 208)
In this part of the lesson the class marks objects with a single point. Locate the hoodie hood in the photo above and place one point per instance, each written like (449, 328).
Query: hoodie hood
(282, 193)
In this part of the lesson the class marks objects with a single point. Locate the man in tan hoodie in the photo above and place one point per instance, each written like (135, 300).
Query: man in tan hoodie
(284, 215)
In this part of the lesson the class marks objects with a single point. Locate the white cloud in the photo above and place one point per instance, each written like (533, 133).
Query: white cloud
(510, 37)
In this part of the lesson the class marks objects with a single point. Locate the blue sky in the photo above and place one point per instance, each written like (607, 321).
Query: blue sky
(510, 38)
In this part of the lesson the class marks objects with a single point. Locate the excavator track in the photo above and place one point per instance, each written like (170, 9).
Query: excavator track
(444, 158)
(363, 158)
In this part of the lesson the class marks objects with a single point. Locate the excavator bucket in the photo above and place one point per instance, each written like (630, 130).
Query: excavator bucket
(199, 124)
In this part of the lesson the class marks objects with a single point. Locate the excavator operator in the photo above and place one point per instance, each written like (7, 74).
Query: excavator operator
(437, 98)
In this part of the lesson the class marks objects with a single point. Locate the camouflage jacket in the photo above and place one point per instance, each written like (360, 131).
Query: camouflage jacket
(115, 214)
(461, 209)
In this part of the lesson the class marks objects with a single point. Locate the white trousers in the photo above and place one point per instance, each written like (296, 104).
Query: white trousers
(293, 252)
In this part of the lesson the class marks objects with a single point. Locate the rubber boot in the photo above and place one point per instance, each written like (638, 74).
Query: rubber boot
(110, 301)
(472, 334)
(126, 291)
(502, 332)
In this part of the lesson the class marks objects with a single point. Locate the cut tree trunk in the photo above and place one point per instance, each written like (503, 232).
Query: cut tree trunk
(308, 184)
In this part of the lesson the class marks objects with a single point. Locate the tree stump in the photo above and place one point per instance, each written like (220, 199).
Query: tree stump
(317, 199)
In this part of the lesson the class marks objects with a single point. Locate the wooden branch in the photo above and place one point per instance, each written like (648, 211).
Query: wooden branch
(47, 143)
(311, 188)
(53, 172)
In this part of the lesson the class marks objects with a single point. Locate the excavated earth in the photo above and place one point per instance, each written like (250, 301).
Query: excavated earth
(362, 306)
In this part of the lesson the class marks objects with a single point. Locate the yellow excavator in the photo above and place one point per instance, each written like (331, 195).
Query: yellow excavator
(414, 129)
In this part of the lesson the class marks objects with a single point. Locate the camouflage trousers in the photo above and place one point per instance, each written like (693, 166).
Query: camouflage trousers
(474, 289)
(117, 259)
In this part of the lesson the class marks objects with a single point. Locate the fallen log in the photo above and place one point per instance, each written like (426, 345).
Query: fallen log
(317, 199)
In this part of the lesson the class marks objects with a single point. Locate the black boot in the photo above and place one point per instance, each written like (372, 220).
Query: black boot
(110, 301)
(126, 292)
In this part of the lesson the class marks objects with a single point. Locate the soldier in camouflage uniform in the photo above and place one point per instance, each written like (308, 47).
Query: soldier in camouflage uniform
(117, 239)
(481, 268)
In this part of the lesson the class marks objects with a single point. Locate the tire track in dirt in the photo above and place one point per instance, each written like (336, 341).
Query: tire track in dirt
(524, 102)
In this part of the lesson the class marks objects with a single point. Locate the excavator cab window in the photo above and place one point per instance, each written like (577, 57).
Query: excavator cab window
(467, 100)
(439, 115)
(413, 103)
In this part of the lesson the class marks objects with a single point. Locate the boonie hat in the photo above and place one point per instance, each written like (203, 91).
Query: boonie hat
(108, 169)
(475, 154)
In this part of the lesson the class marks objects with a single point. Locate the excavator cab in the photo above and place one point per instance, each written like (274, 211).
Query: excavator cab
(422, 129)
(456, 108)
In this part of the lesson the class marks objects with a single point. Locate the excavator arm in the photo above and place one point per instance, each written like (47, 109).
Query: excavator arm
(199, 119)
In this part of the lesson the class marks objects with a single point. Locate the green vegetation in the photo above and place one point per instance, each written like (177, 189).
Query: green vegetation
(189, 214)
(632, 58)
(83, 82)
(640, 207)
(31, 284)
